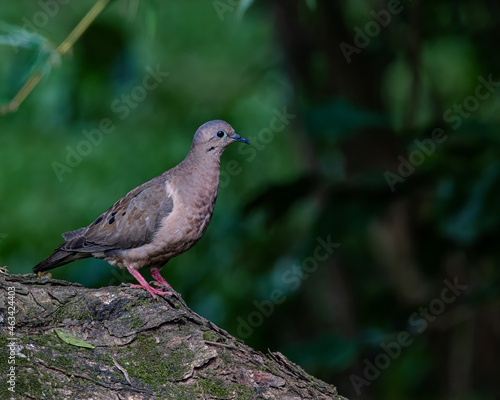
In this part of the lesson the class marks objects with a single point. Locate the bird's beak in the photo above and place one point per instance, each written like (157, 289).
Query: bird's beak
(239, 138)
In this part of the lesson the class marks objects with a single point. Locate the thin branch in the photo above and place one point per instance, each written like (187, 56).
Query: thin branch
(123, 370)
(82, 26)
(63, 48)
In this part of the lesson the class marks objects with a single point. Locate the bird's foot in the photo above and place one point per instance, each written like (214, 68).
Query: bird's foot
(143, 284)
(161, 284)
(159, 280)
(152, 290)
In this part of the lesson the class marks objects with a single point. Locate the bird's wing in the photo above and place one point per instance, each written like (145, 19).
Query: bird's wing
(131, 222)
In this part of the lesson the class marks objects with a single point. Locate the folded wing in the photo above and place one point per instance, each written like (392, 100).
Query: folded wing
(131, 222)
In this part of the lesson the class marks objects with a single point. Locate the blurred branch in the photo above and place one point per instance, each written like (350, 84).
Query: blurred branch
(63, 48)
(414, 58)
(82, 26)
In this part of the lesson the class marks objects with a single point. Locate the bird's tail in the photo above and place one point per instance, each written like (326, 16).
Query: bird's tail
(60, 257)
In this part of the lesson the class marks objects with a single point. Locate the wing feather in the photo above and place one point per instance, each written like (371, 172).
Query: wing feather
(131, 222)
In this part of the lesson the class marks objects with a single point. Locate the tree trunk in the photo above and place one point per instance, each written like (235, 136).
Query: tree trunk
(63, 341)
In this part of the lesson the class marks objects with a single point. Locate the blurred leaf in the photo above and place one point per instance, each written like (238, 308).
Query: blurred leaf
(329, 350)
(312, 4)
(130, 8)
(243, 7)
(152, 15)
(473, 219)
(277, 199)
(45, 54)
(340, 119)
(16, 36)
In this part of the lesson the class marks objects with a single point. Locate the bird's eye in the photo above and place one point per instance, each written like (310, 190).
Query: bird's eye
(221, 134)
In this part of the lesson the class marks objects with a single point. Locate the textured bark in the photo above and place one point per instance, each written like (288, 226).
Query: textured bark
(143, 349)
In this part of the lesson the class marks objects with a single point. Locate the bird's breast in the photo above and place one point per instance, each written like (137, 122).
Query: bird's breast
(189, 219)
(193, 206)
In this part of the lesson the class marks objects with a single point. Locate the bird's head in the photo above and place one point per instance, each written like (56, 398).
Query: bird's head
(213, 137)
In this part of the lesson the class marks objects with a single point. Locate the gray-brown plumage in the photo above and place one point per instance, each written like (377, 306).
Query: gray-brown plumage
(158, 220)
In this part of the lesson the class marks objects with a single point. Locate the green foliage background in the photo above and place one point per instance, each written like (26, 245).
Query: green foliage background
(323, 175)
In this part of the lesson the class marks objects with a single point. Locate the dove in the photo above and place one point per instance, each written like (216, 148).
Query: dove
(157, 220)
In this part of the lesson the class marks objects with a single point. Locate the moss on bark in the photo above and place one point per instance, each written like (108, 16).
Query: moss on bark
(143, 349)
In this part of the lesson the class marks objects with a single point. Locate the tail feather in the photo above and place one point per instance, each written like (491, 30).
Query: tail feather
(60, 257)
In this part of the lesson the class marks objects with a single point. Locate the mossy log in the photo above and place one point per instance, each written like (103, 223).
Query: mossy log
(69, 342)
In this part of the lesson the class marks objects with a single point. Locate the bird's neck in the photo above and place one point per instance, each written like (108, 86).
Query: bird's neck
(200, 171)
(201, 160)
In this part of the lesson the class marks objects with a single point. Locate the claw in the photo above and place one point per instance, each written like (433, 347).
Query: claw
(143, 284)
(159, 280)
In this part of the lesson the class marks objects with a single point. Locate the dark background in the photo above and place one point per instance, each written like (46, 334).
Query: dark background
(373, 127)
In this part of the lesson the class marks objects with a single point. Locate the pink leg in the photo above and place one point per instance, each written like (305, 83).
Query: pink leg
(144, 284)
(160, 280)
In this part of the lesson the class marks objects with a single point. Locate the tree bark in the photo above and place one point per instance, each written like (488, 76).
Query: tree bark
(69, 342)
